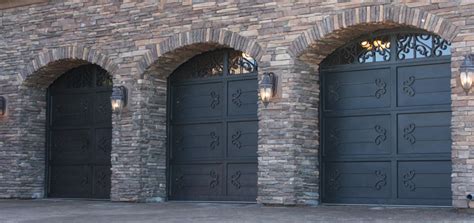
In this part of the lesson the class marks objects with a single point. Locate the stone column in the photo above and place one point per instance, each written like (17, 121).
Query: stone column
(139, 141)
(288, 135)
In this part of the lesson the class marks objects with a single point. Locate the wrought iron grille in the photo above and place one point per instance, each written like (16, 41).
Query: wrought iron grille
(389, 46)
(85, 76)
(221, 62)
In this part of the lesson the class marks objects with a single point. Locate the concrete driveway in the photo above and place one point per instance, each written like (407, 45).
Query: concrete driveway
(52, 211)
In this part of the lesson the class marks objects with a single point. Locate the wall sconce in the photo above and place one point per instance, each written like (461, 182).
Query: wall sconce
(267, 87)
(3, 105)
(466, 73)
(118, 99)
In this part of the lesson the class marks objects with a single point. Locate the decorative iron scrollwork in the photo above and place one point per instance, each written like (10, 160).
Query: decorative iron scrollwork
(79, 79)
(367, 50)
(57, 145)
(214, 179)
(334, 137)
(408, 180)
(381, 88)
(381, 179)
(408, 86)
(56, 179)
(102, 180)
(378, 48)
(382, 134)
(84, 77)
(214, 140)
(236, 98)
(104, 108)
(408, 46)
(179, 103)
(333, 91)
(346, 55)
(441, 46)
(235, 179)
(211, 64)
(178, 140)
(84, 181)
(85, 144)
(334, 182)
(84, 105)
(241, 63)
(235, 139)
(58, 109)
(408, 133)
(214, 99)
(103, 78)
(413, 46)
(104, 144)
(179, 181)
(206, 65)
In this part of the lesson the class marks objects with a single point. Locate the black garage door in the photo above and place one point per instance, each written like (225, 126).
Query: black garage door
(213, 128)
(79, 133)
(386, 121)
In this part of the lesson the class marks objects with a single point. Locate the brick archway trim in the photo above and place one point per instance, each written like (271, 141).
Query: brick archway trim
(371, 15)
(209, 36)
(62, 59)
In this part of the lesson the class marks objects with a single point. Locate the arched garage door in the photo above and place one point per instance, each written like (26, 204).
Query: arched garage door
(386, 121)
(80, 133)
(213, 128)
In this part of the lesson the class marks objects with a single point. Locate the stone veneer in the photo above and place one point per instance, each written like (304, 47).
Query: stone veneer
(141, 42)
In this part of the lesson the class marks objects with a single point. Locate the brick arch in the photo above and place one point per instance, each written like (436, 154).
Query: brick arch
(49, 64)
(313, 45)
(167, 55)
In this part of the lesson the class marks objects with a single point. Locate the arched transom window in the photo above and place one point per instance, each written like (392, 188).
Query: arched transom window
(389, 46)
(221, 62)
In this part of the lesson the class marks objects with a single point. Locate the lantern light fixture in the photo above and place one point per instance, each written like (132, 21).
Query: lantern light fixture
(267, 87)
(377, 44)
(118, 99)
(466, 73)
(3, 105)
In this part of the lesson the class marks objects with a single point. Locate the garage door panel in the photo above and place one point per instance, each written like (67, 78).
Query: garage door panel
(424, 133)
(197, 101)
(424, 180)
(103, 146)
(213, 130)
(424, 85)
(103, 108)
(357, 89)
(101, 182)
(357, 135)
(71, 110)
(197, 181)
(387, 118)
(198, 141)
(242, 97)
(70, 146)
(73, 181)
(242, 180)
(80, 132)
(242, 139)
(345, 180)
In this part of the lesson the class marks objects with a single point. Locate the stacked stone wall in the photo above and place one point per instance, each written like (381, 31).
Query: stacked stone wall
(140, 42)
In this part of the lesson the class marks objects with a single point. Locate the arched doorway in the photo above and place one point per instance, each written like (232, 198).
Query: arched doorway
(79, 134)
(386, 117)
(213, 128)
